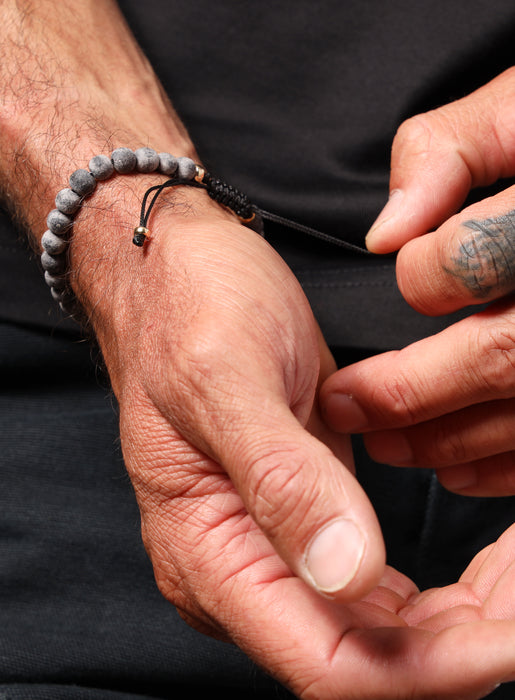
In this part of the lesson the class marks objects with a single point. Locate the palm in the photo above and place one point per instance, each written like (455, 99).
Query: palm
(453, 642)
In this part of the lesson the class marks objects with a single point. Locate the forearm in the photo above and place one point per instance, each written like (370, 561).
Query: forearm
(74, 84)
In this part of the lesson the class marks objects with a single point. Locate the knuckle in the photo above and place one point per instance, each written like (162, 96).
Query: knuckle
(397, 399)
(416, 133)
(448, 447)
(497, 371)
(278, 497)
(436, 131)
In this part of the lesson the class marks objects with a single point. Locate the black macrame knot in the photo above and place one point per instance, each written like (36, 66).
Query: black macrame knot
(229, 196)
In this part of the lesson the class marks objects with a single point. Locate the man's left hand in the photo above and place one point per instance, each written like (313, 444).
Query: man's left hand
(447, 401)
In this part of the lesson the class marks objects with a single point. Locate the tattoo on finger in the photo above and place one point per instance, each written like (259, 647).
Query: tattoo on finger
(485, 261)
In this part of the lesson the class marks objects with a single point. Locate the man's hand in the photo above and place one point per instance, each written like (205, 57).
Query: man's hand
(211, 347)
(447, 401)
(216, 373)
(215, 358)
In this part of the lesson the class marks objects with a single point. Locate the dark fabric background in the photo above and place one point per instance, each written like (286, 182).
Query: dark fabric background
(296, 103)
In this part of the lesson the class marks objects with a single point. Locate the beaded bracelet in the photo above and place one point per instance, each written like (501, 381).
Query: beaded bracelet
(180, 171)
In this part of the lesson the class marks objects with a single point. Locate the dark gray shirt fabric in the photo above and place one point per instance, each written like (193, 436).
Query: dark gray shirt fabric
(295, 103)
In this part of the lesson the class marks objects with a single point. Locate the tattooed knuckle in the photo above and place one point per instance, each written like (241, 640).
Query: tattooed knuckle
(485, 257)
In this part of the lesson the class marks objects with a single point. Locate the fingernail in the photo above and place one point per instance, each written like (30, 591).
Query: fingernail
(344, 414)
(390, 211)
(334, 555)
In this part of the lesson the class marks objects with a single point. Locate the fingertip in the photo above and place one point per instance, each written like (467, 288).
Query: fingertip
(343, 413)
(408, 214)
(381, 238)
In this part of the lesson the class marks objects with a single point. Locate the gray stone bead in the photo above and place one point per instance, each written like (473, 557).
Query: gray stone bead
(186, 169)
(67, 201)
(124, 160)
(54, 281)
(57, 222)
(82, 182)
(168, 164)
(54, 264)
(147, 160)
(101, 167)
(53, 244)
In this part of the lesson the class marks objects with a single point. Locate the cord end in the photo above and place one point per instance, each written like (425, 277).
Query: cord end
(140, 236)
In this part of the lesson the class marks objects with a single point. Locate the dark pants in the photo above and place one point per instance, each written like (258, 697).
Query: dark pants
(80, 615)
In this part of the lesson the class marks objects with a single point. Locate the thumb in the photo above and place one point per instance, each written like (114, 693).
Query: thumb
(439, 156)
(303, 498)
(306, 501)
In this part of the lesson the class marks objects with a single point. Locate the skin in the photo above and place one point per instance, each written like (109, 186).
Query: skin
(446, 402)
(216, 362)
(485, 261)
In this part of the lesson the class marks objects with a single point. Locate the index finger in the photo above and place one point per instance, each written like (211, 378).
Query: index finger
(437, 157)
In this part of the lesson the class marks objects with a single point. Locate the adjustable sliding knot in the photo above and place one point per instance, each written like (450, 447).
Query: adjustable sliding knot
(196, 176)
(229, 196)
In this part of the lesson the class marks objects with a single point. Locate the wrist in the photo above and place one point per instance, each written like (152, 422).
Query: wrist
(115, 281)
(180, 171)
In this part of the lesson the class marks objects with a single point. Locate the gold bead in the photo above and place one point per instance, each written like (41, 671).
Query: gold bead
(140, 236)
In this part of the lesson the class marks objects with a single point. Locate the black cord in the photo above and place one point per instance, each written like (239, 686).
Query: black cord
(145, 213)
(240, 204)
(309, 231)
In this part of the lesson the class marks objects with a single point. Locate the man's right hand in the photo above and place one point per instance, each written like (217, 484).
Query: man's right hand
(215, 358)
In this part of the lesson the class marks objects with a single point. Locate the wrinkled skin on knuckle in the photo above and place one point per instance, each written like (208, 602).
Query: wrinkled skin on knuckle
(497, 371)
(168, 579)
(175, 590)
(428, 133)
(173, 577)
(397, 400)
(440, 135)
(273, 496)
(415, 134)
(446, 447)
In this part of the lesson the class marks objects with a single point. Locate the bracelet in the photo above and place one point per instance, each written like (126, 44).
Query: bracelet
(82, 184)
(180, 171)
